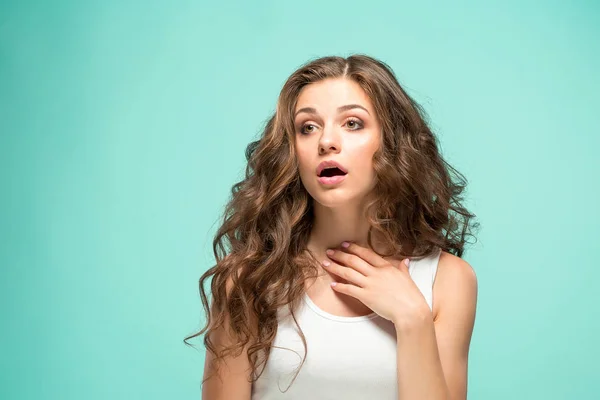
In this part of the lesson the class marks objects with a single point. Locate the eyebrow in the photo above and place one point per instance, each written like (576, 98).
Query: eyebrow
(311, 110)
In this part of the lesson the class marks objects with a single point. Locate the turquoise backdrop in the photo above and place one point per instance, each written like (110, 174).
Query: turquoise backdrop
(123, 126)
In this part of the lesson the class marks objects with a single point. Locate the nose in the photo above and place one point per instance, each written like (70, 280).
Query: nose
(329, 142)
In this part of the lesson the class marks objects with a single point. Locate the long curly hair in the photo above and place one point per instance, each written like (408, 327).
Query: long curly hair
(261, 247)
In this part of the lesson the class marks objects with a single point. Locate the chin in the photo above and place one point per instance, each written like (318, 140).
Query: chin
(332, 198)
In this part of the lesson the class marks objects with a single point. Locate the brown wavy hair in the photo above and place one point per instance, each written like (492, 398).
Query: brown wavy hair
(261, 247)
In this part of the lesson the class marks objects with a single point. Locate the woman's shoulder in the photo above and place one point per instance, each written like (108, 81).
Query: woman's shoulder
(454, 276)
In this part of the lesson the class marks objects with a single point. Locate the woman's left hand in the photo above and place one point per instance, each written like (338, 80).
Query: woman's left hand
(385, 288)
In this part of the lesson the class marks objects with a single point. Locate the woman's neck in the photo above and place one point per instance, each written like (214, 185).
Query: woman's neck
(332, 226)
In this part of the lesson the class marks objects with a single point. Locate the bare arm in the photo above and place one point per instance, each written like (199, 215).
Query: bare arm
(231, 381)
(432, 356)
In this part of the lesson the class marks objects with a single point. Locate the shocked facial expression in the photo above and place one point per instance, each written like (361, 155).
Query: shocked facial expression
(335, 124)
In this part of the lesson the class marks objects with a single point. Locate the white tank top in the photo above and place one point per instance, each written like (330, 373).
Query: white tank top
(350, 358)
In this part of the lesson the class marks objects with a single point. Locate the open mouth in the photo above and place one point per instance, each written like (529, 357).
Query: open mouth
(331, 176)
(330, 172)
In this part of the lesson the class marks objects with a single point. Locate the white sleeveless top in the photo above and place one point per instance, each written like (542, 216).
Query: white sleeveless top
(350, 358)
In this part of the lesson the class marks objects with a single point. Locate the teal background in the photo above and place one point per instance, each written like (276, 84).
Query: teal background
(123, 126)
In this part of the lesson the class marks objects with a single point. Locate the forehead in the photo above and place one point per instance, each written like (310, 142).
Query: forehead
(330, 93)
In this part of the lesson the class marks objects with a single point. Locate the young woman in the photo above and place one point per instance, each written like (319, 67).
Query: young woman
(313, 294)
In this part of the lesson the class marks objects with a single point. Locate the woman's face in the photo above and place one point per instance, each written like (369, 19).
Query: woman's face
(335, 120)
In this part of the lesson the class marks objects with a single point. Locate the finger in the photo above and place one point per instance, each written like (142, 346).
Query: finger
(347, 289)
(366, 254)
(350, 260)
(345, 273)
(404, 264)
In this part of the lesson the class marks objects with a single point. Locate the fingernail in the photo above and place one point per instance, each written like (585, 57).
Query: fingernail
(329, 252)
(407, 262)
(325, 263)
(345, 244)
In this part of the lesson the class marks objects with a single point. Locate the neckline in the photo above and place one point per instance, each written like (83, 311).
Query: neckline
(338, 318)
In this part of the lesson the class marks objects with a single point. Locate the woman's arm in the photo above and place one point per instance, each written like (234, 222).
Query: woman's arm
(231, 381)
(433, 355)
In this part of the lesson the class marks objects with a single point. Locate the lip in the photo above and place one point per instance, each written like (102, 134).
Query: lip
(330, 163)
(331, 180)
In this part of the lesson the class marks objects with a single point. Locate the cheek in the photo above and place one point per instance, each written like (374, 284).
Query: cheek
(363, 165)
(362, 155)
(305, 168)
(303, 164)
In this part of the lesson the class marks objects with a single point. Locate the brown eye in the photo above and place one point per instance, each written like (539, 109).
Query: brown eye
(355, 123)
(302, 130)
